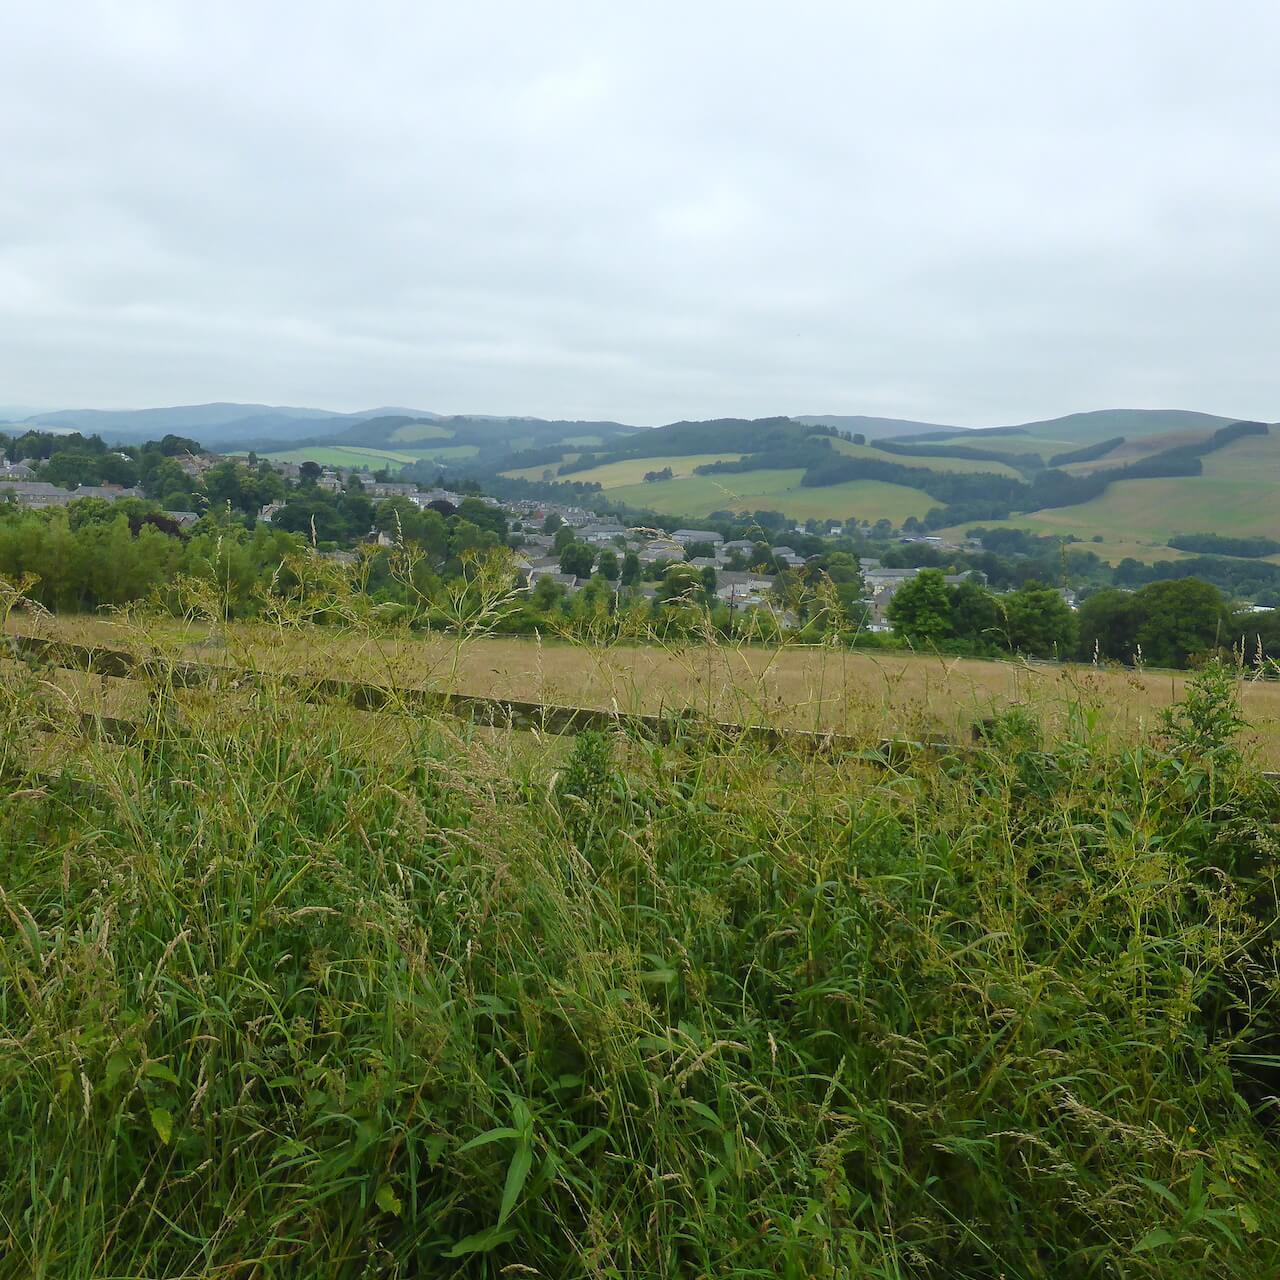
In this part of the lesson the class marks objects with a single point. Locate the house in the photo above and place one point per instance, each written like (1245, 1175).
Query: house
(660, 549)
(330, 481)
(427, 497)
(16, 471)
(788, 556)
(739, 544)
(744, 590)
(196, 464)
(686, 537)
(880, 577)
(34, 493)
(602, 534)
(389, 489)
(107, 492)
(270, 511)
(183, 519)
(565, 580)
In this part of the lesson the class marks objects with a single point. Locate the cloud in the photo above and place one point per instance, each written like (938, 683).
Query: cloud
(966, 213)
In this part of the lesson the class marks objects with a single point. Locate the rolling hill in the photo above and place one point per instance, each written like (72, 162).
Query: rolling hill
(218, 425)
(1132, 477)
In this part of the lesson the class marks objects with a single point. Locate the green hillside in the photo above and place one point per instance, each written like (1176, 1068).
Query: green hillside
(1236, 494)
(1133, 477)
(777, 490)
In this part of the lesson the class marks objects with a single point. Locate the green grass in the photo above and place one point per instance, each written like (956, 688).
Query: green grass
(446, 453)
(412, 432)
(934, 462)
(291, 991)
(363, 456)
(630, 471)
(343, 456)
(779, 490)
(1235, 495)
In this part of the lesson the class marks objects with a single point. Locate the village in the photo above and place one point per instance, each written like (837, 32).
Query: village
(734, 564)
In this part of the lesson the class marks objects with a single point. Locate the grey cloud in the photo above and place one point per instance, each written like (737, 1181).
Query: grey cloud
(979, 212)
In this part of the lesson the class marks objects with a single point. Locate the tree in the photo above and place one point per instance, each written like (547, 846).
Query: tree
(563, 537)
(920, 609)
(1038, 621)
(552, 523)
(859, 438)
(484, 516)
(1180, 620)
(681, 582)
(310, 471)
(631, 570)
(547, 593)
(975, 616)
(607, 566)
(1108, 626)
(577, 559)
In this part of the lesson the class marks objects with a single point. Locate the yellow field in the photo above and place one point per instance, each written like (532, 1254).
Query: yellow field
(862, 693)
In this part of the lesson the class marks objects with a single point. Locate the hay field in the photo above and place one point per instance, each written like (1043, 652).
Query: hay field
(864, 693)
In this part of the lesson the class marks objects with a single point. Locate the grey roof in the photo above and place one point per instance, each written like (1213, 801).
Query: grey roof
(697, 535)
(890, 575)
(107, 492)
(32, 488)
(731, 578)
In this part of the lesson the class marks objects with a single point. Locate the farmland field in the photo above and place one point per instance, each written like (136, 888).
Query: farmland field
(631, 471)
(933, 462)
(412, 432)
(999, 444)
(779, 490)
(344, 455)
(800, 686)
(334, 455)
(1235, 495)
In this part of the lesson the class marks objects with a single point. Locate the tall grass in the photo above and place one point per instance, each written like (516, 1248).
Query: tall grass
(293, 991)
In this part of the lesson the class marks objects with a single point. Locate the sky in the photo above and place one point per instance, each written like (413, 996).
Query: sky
(977, 213)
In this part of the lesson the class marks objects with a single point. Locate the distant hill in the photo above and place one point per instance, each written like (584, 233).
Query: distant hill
(216, 425)
(1099, 424)
(1084, 428)
(872, 428)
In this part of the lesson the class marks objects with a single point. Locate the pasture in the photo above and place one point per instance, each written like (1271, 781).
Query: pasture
(351, 455)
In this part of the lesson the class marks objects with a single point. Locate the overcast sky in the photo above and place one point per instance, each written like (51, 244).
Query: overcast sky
(978, 212)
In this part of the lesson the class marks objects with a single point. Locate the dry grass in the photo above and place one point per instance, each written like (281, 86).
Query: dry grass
(868, 694)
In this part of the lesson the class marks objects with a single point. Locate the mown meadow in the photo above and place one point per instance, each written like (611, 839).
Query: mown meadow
(292, 990)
